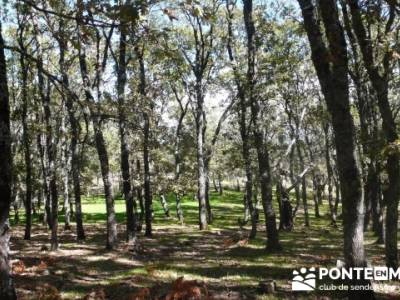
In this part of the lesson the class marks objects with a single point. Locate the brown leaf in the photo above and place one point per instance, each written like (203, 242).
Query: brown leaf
(187, 289)
(142, 294)
(48, 292)
(18, 267)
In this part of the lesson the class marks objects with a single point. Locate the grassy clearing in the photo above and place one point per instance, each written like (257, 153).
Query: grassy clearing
(219, 256)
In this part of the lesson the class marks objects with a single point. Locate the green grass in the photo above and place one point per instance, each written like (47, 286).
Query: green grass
(177, 250)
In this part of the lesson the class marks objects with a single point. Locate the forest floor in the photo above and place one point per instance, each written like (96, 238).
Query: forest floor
(230, 266)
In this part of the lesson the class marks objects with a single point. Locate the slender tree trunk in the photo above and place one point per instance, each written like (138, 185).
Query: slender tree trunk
(164, 204)
(140, 193)
(100, 142)
(126, 176)
(45, 184)
(313, 175)
(27, 147)
(26, 135)
(102, 153)
(376, 203)
(259, 137)
(66, 161)
(177, 155)
(215, 184)
(146, 150)
(221, 191)
(244, 133)
(201, 168)
(7, 291)
(179, 212)
(329, 174)
(67, 212)
(303, 186)
(293, 180)
(52, 151)
(16, 208)
(74, 123)
(105, 172)
(147, 183)
(208, 204)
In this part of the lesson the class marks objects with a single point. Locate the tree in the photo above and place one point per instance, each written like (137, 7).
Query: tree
(26, 135)
(245, 125)
(331, 64)
(93, 88)
(201, 63)
(378, 72)
(7, 290)
(264, 167)
(125, 157)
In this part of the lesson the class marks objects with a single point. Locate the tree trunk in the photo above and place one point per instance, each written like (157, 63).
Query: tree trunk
(179, 212)
(208, 204)
(74, 123)
(146, 150)
(27, 147)
(45, 185)
(314, 177)
(331, 64)
(25, 134)
(52, 151)
(100, 142)
(215, 184)
(126, 176)
(105, 172)
(221, 191)
(201, 168)
(293, 180)
(329, 174)
(374, 184)
(7, 291)
(380, 83)
(164, 205)
(140, 193)
(259, 137)
(66, 161)
(177, 156)
(303, 186)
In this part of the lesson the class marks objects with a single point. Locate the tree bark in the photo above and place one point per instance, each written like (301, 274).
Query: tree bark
(7, 291)
(146, 149)
(177, 154)
(164, 204)
(66, 162)
(201, 168)
(313, 175)
(126, 176)
(74, 123)
(139, 190)
(26, 136)
(27, 153)
(331, 64)
(244, 132)
(100, 142)
(329, 175)
(264, 168)
(380, 83)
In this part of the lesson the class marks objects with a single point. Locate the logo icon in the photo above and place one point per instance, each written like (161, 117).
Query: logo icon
(304, 280)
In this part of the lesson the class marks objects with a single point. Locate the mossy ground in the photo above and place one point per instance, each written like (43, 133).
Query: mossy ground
(220, 256)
